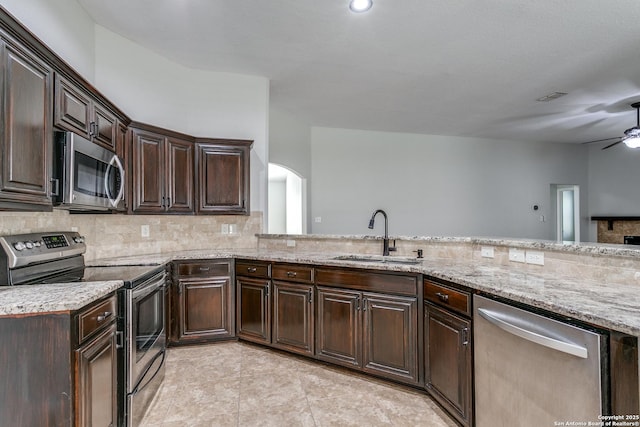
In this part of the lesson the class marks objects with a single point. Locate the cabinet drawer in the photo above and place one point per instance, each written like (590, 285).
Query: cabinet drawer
(96, 317)
(292, 272)
(253, 269)
(203, 268)
(389, 283)
(445, 296)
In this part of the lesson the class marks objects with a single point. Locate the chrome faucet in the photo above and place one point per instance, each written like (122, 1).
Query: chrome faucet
(385, 245)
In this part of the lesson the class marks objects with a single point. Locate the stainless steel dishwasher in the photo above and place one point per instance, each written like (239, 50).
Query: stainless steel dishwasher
(531, 370)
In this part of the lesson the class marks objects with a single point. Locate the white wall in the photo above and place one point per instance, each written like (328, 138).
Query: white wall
(437, 185)
(290, 146)
(289, 142)
(151, 89)
(277, 207)
(63, 25)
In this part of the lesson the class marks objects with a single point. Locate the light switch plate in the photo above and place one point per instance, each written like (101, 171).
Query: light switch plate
(486, 252)
(224, 229)
(144, 230)
(516, 255)
(535, 257)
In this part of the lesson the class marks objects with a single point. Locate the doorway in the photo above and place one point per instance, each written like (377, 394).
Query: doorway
(287, 203)
(568, 213)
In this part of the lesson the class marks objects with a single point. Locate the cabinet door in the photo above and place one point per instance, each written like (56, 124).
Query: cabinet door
(72, 108)
(293, 317)
(390, 336)
(254, 310)
(104, 127)
(338, 328)
(205, 309)
(148, 173)
(179, 169)
(448, 361)
(96, 403)
(26, 138)
(223, 179)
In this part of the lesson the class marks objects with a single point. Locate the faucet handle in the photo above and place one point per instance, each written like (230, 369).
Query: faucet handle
(393, 248)
(419, 252)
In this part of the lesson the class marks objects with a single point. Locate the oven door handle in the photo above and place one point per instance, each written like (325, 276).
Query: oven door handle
(140, 386)
(152, 286)
(115, 162)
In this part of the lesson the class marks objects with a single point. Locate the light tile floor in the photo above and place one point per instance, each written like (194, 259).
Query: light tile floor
(239, 384)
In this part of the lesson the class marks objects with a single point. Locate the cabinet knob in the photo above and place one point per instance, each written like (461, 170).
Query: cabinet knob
(291, 274)
(252, 269)
(442, 297)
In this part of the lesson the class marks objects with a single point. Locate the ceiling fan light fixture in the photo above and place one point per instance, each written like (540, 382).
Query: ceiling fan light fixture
(359, 6)
(632, 142)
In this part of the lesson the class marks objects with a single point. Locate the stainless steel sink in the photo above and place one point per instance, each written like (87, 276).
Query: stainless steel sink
(374, 258)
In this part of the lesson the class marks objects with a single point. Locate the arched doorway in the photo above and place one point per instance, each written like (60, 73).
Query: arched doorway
(287, 201)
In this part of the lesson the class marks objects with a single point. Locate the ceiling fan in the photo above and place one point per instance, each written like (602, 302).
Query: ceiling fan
(631, 136)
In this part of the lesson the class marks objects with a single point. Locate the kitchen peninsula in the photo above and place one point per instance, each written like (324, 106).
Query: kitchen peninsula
(591, 284)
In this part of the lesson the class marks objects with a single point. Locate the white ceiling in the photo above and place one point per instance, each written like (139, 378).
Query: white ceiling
(444, 67)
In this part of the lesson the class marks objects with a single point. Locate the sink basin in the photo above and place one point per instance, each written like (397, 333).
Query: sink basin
(374, 258)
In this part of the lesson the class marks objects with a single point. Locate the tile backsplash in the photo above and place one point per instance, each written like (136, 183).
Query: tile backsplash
(619, 229)
(120, 235)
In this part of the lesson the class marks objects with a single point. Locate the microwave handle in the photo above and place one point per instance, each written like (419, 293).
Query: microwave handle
(114, 202)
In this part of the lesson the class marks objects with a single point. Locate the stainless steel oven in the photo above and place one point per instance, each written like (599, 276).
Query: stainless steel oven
(145, 342)
(86, 175)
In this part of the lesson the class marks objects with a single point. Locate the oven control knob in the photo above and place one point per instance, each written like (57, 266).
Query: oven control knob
(37, 243)
(20, 246)
(78, 239)
(29, 245)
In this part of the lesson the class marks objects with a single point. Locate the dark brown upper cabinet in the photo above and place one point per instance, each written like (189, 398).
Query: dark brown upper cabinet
(26, 138)
(77, 111)
(162, 172)
(222, 169)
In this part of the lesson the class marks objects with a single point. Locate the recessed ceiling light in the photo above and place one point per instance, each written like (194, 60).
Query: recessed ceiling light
(359, 6)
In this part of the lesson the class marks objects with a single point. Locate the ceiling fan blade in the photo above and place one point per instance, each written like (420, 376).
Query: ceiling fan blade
(601, 140)
(611, 145)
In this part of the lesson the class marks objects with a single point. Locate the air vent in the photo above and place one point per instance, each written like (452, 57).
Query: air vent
(551, 96)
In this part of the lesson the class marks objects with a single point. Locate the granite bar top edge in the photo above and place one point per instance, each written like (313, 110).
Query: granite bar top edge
(585, 248)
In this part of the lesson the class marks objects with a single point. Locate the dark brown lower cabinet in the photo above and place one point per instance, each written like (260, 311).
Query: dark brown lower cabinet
(293, 316)
(60, 369)
(97, 381)
(254, 309)
(448, 366)
(338, 330)
(373, 332)
(202, 302)
(206, 305)
(390, 336)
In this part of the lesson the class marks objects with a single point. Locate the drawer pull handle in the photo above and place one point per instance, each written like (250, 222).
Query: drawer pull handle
(465, 336)
(291, 274)
(205, 268)
(442, 297)
(102, 317)
(252, 269)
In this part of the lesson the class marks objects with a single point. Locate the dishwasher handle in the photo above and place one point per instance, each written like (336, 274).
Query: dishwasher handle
(522, 331)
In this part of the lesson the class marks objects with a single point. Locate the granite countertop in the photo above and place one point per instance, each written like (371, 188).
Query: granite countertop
(609, 305)
(58, 297)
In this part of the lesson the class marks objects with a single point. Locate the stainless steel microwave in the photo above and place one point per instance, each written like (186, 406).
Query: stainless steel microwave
(86, 176)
